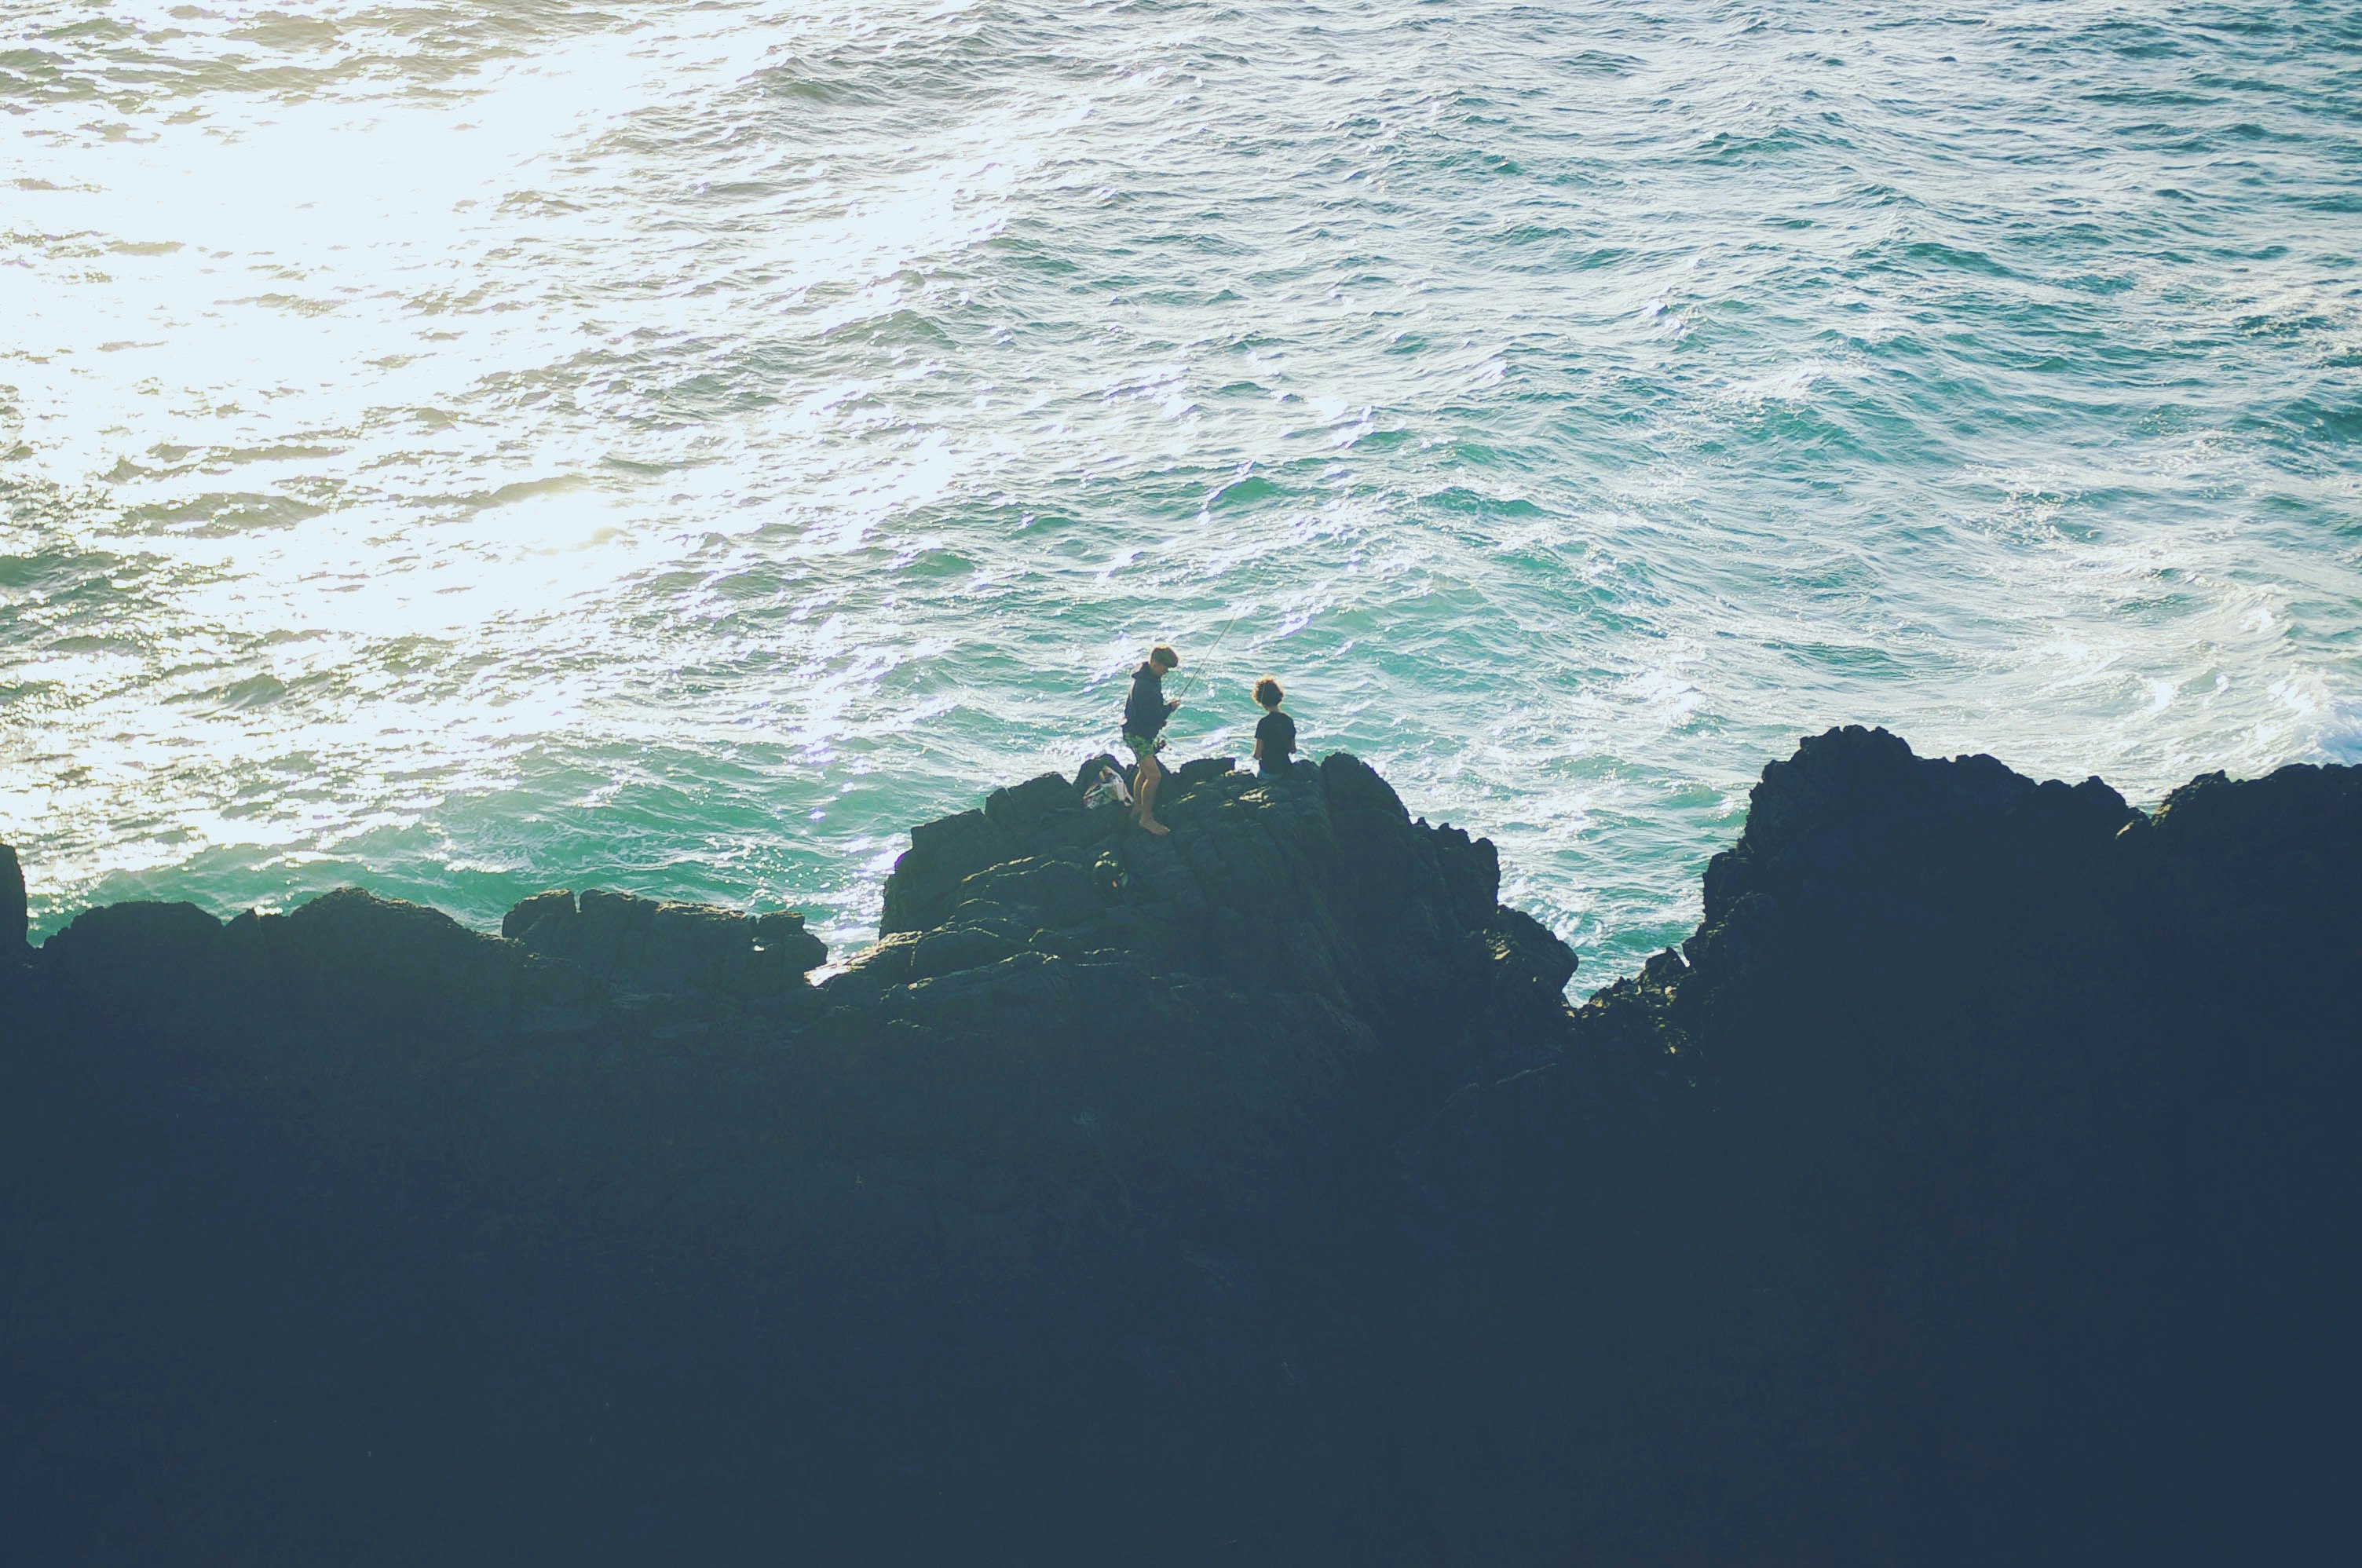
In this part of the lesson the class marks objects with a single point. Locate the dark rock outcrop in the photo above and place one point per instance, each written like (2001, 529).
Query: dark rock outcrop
(13, 923)
(641, 946)
(349, 953)
(1978, 1181)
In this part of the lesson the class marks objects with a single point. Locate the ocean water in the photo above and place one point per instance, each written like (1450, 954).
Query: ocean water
(471, 448)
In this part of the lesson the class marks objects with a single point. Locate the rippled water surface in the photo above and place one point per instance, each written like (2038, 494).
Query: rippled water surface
(468, 447)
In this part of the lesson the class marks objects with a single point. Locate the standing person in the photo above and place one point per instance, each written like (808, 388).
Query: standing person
(1275, 732)
(1144, 713)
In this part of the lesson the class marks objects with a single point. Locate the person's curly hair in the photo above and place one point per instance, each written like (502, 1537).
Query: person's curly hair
(1267, 693)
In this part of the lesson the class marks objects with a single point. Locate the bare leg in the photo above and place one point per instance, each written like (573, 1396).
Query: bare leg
(1145, 788)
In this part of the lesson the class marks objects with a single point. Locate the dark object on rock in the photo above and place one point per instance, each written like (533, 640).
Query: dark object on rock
(1978, 1182)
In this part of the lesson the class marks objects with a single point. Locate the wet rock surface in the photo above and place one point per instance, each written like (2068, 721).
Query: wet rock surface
(1978, 1181)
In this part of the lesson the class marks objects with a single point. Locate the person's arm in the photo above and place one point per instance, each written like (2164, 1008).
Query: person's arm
(1257, 755)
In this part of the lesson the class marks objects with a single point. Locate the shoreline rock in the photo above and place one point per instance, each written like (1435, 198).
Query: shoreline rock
(1979, 1178)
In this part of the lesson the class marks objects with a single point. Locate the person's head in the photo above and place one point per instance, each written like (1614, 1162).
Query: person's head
(1267, 693)
(1163, 660)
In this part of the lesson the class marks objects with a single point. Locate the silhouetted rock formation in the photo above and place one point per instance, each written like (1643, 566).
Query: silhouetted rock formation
(1981, 1183)
(12, 901)
(641, 947)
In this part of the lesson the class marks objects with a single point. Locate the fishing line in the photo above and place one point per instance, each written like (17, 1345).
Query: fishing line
(1205, 659)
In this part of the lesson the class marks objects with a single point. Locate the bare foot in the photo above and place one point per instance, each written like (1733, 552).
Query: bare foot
(1159, 829)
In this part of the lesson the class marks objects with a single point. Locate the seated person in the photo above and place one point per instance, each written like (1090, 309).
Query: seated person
(1275, 732)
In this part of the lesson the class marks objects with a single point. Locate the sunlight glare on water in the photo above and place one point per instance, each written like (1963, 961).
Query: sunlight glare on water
(469, 448)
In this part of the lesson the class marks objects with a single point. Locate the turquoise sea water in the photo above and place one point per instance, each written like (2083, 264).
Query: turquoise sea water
(472, 448)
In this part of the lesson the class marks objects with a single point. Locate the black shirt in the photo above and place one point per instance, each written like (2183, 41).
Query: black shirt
(1276, 734)
(1143, 711)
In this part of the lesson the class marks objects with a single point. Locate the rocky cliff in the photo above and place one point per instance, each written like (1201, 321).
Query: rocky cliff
(1979, 1181)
